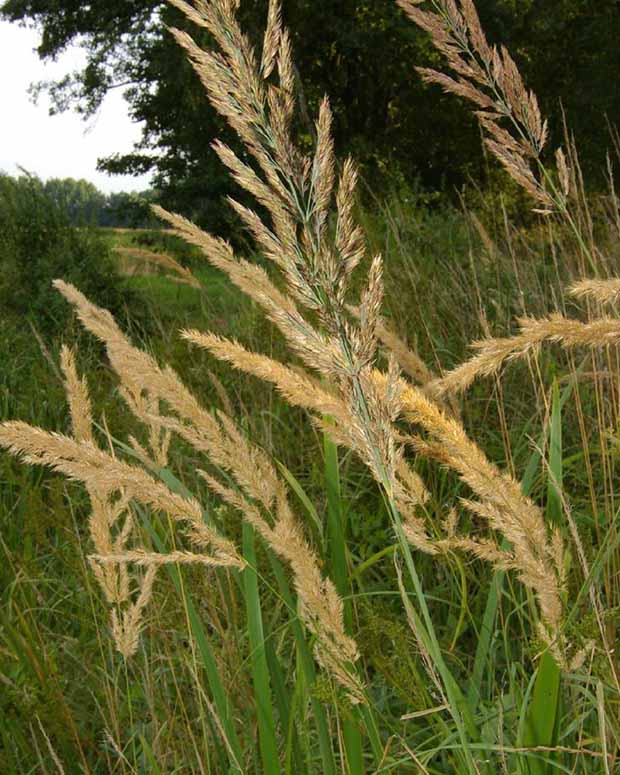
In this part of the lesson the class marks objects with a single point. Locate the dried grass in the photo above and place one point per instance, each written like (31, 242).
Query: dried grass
(315, 265)
(555, 329)
(487, 76)
(164, 261)
(306, 295)
(160, 400)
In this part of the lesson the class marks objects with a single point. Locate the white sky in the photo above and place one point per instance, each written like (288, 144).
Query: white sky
(63, 146)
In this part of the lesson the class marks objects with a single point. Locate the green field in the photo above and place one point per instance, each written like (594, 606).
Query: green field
(336, 497)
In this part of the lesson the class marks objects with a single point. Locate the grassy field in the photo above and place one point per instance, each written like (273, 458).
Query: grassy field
(68, 696)
(294, 523)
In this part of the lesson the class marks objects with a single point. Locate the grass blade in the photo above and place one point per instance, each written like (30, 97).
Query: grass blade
(542, 717)
(260, 669)
(337, 563)
(308, 670)
(220, 698)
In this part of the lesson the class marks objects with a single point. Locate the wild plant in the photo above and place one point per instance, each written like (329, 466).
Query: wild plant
(305, 225)
(316, 264)
(516, 134)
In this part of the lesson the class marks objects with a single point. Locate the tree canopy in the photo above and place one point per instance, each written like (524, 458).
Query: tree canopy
(83, 204)
(361, 53)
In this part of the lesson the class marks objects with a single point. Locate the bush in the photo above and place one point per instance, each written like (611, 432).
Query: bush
(37, 245)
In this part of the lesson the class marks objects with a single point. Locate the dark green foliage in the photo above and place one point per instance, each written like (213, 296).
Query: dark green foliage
(38, 245)
(81, 200)
(84, 205)
(362, 53)
(129, 210)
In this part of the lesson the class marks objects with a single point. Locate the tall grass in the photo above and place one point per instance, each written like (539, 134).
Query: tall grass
(249, 630)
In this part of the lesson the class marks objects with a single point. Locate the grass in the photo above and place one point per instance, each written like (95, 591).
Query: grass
(356, 569)
(43, 557)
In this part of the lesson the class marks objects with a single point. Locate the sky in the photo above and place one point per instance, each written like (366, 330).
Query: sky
(63, 146)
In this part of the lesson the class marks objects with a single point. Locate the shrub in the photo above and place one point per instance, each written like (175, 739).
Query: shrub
(37, 244)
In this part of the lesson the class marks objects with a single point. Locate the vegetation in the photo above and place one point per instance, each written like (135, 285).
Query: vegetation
(360, 52)
(84, 205)
(37, 243)
(360, 549)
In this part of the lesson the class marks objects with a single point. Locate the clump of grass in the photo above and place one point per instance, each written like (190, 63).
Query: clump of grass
(316, 266)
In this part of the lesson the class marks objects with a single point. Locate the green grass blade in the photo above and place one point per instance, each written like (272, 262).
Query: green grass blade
(153, 767)
(422, 627)
(336, 528)
(485, 636)
(220, 699)
(554, 485)
(337, 563)
(542, 715)
(308, 669)
(527, 483)
(299, 491)
(283, 704)
(541, 719)
(260, 670)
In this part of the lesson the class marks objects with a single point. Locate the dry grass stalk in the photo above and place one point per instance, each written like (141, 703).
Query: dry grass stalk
(535, 553)
(140, 400)
(314, 263)
(555, 328)
(112, 485)
(78, 397)
(408, 360)
(160, 260)
(487, 76)
(128, 622)
(298, 388)
(261, 493)
(413, 365)
(222, 394)
(106, 476)
(107, 530)
(147, 559)
(600, 291)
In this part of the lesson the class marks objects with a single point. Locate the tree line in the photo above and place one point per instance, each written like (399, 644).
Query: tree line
(85, 205)
(360, 52)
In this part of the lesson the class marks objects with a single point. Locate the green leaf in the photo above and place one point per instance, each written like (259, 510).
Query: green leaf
(299, 491)
(541, 720)
(260, 669)
(554, 485)
(542, 715)
(337, 563)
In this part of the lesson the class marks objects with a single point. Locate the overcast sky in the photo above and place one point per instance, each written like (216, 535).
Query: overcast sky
(61, 146)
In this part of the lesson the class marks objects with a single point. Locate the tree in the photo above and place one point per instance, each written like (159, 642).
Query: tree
(81, 200)
(130, 211)
(361, 52)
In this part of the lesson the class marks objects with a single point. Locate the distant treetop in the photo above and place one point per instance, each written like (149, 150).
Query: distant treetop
(360, 52)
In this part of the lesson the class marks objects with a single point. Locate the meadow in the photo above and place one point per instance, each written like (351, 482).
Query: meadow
(276, 514)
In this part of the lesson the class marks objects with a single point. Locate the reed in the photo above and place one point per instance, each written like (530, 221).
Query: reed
(316, 265)
(293, 611)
